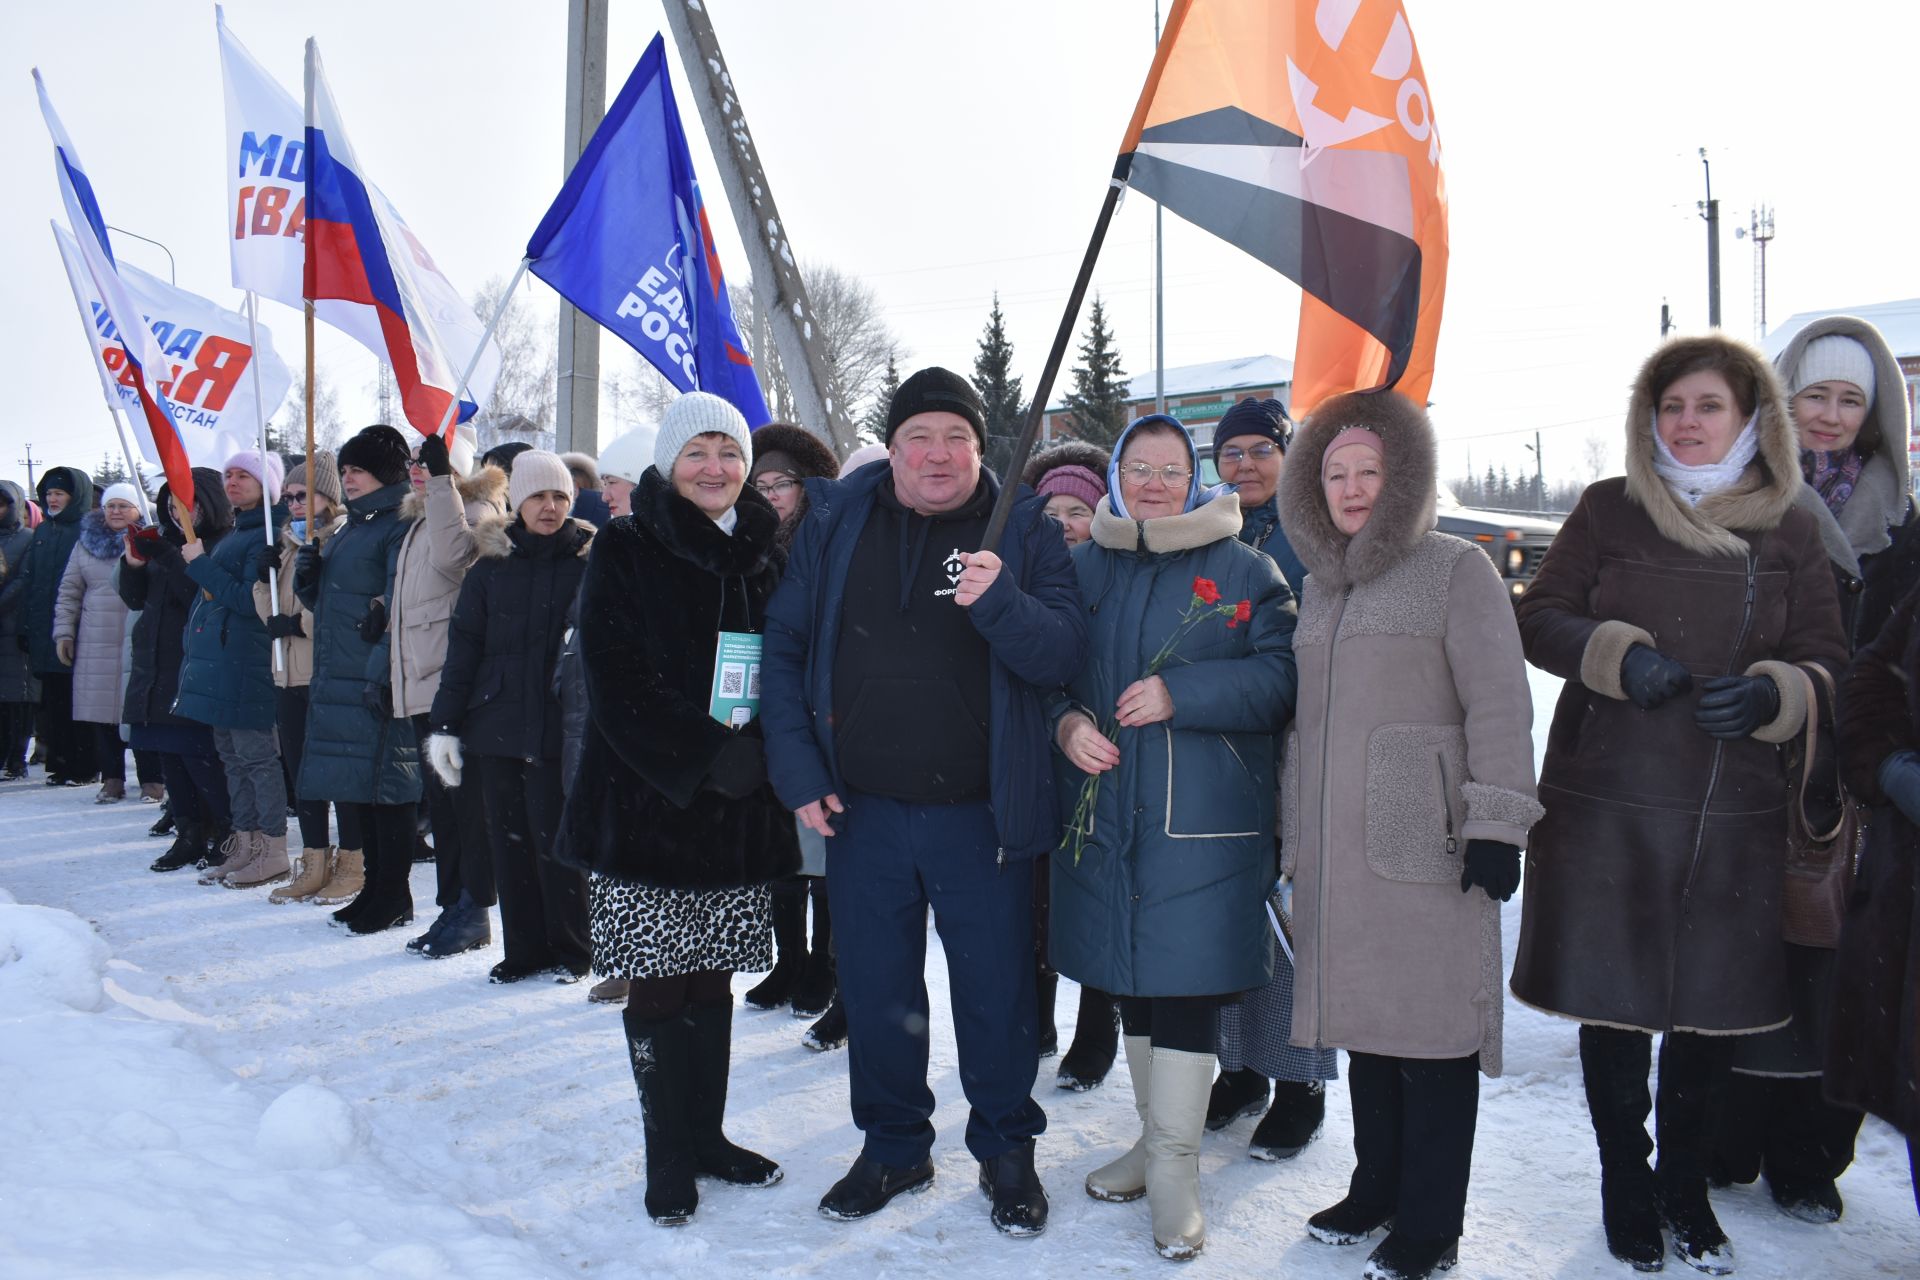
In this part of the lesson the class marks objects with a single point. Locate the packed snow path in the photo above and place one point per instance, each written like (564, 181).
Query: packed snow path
(203, 1084)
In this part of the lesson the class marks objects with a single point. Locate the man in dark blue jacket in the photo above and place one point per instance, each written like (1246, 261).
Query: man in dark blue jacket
(903, 670)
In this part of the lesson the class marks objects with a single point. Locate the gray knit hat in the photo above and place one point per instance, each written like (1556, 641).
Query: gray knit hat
(1834, 357)
(537, 471)
(697, 413)
(326, 480)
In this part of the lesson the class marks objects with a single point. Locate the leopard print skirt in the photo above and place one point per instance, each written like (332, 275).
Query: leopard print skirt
(640, 931)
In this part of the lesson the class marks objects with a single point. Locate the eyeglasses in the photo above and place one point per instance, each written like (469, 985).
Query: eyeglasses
(296, 495)
(413, 460)
(1258, 452)
(777, 488)
(1136, 474)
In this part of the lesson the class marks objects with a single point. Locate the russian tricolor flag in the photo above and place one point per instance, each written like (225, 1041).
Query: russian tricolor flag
(359, 252)
(145, 359)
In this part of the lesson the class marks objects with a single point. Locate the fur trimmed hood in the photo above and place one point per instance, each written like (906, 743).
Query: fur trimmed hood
(1068, 453)
(101, 542)
(493, 538)
(808, 452)
(1879, 499)
(586, 470)
(1764, 493)
(1406, 509)
(487, 486)
(1210, 522)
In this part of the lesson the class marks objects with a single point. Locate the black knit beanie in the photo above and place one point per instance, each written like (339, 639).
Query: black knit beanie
(1250, 417)
(937, 390)
(380, 451)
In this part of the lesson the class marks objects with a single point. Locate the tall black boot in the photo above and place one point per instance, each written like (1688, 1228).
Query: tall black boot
(1096, 1039)
(790, 940)
(711, 1032)
(1693, 1074)
(370, 864)
(1046, 987)
(815, 989)
(1745, 1117)
(658, 1052)
(1809, 1147)
(389, 893)
(1614, 1065)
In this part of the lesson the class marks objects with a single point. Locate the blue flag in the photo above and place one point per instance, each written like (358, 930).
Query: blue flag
(627, 242)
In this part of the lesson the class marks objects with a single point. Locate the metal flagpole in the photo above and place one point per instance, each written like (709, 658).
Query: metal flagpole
(486, 336)
(107, 386)
(260, 411)
(126, 451)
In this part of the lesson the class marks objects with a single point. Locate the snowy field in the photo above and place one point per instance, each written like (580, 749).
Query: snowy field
(195, 1083)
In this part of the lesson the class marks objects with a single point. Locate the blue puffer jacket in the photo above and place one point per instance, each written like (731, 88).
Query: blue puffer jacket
(1260, 529)
(1031, 618)
(354, 754)
(1168, 898)
(226, 674)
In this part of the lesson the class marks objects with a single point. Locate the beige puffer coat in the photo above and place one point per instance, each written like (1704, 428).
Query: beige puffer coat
(294, 670)
(88, 610)
(1412, 736)
(434, 559)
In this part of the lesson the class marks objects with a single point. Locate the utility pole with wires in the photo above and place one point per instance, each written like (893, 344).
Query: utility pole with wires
(1666, 319)
(1539, 474)
(386, 392)
(28, 463)
(1710, 214)
(1760, 231)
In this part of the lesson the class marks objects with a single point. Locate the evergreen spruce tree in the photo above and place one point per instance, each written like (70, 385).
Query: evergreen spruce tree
(873, 428)
(110, 471)
(1098, 401)
(999, 392)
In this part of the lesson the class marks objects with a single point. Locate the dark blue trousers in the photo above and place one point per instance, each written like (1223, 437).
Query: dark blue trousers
(886, 865)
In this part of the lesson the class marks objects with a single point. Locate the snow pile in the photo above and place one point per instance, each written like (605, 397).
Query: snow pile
(48, 958)
(308, 1127)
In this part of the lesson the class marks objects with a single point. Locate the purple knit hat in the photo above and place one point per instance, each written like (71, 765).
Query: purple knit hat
(1074, 482)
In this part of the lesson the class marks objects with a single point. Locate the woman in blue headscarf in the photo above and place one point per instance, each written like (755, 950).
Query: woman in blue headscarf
(1159, 890)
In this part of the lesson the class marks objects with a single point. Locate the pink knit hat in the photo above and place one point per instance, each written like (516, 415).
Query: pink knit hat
(269, 472)
(1075, 482)
(1346, 436)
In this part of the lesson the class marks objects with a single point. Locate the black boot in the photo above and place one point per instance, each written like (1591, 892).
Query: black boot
(711, 1038)
(1812, 1145)
(1096, 1039)
(1235, 1094)
(829, 1031)
(1693, 1076)
(1372, 1199)
(1046, 986)
(1291, 1122)
(163, 825)
(790, 940)
(187, 848)
(369, 861)
(869, 1186)
(657, 1052)
(1019, 1201)
(815, 989)
(1402, 1258)
(214, 848)
(388, 895)
(1614, 1065)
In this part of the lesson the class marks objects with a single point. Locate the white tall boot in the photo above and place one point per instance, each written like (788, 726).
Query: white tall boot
(1126, 1178)
(1176, 1117)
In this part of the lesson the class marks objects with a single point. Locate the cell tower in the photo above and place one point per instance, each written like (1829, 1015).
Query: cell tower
(1760, 231)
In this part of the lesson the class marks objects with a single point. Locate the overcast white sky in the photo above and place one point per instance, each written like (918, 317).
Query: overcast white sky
(942, 151)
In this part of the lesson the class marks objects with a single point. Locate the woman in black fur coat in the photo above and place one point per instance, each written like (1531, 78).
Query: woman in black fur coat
(671, 812)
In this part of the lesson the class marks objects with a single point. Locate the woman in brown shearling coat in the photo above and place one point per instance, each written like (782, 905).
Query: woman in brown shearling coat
(1673, 603)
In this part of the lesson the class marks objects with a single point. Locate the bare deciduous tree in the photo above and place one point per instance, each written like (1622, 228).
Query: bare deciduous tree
(287, 432)
(522, 404)
(856, 336)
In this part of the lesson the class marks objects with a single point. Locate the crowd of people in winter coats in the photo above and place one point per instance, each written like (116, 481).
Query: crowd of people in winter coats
(1251, 764)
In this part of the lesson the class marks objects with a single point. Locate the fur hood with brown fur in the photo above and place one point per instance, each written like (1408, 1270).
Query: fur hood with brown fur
(808, 451)
(1403, 514)
(485, 487)
(1766, 490)
(1068, 453)
(494, 543)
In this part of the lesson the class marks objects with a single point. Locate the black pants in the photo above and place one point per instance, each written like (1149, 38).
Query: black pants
(1413, 1125)
(1184, 1023)
(543, 905)
(290, 707)
(1784, 1127)
(656, 999)
(110, 755)
(16, 726)
(197, 789)
(462, 856)
(69, 744)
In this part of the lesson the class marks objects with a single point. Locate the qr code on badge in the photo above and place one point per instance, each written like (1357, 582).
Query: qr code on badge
(753, 682)
(733, 679)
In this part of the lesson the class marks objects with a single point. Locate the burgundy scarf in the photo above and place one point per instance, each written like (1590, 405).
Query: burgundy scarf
(1833, 475)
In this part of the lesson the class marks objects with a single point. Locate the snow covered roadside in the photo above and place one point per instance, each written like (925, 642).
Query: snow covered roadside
(194, 1082)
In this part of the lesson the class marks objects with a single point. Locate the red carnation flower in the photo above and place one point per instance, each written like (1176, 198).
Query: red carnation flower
(1205, 590)
(1243, 611)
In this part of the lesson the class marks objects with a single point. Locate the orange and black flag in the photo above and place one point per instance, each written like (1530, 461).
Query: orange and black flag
(1302, 131)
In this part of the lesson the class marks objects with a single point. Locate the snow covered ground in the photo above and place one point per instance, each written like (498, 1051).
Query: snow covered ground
(196, 1083)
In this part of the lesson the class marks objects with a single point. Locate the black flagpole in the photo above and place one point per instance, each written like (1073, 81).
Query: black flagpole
(1010, 483)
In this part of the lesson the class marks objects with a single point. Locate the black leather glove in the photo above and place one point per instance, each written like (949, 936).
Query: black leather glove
(164, 552)
(374, 625)
(306, 568)
(377, 698)
(282, 626)
(433, 456)
(1900, 779)
(267, 565)
(1494, 865)
(1734, 706)
(739, 769)
(1650, 677)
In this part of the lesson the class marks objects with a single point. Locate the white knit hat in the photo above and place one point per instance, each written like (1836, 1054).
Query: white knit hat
(697, 413)
(628, 455)
(122, 492)
(1834, 357)
(537, 471)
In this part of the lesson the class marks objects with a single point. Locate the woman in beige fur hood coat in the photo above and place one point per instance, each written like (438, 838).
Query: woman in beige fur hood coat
(1406, 792)
(1673, 603)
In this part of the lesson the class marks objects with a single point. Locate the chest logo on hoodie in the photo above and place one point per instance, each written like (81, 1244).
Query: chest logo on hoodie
(953, 566)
